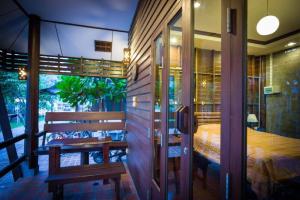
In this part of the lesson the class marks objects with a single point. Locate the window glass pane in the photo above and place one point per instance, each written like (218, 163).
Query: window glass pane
(273, 100)
(174, 101)
(157, 109)
(207, 99)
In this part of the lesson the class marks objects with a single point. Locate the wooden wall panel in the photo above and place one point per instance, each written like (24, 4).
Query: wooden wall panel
(149, 16)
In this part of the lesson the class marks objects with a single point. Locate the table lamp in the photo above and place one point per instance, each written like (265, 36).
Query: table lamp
(252, 120)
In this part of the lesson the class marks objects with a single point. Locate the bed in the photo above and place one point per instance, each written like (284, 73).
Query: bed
(271, 158)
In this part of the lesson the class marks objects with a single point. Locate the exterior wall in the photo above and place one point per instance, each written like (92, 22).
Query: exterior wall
(149, 16)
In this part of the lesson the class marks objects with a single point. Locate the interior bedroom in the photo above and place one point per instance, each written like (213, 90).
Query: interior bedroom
(273, 94)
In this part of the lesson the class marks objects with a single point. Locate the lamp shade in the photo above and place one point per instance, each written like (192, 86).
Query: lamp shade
(22, 74)
(252, 118)
(126, 59)
(267, 25)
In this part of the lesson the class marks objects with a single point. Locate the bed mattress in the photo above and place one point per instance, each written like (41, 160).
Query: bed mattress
(270, 158)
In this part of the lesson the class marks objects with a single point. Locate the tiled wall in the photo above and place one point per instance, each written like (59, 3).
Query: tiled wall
(283, 109)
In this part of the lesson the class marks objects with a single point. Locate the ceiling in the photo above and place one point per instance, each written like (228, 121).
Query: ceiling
(208, 16)
(116, 14)
(75, 41)
(208, 19)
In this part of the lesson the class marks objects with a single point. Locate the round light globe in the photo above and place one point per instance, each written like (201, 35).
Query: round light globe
(267, 25)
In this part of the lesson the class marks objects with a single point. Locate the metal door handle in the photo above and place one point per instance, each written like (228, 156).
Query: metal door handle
(182, 119)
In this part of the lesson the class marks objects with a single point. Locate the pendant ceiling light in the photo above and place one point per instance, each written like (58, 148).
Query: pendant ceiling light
(268, 24)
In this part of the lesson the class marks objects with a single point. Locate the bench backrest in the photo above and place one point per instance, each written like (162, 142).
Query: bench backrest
(84, 121)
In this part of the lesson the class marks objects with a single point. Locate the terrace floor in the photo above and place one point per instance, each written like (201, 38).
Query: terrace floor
(34, 187)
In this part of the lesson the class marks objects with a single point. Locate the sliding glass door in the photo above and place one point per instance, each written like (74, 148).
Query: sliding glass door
(175, 103)
(172, 107)
(207, 100)
(157, 133)
(200, 103)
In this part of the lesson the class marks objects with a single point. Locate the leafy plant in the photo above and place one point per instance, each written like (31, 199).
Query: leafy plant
(72, 90)
(14, 92)
(117, 90)
(91, 91)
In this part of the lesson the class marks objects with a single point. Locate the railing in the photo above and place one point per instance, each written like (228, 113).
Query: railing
(18, 161)
(62, 65)
(12, 141)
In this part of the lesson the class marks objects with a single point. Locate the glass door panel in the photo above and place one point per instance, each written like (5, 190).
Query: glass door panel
(273, 100)
(158, 57)
(207, 99)
(175, 87)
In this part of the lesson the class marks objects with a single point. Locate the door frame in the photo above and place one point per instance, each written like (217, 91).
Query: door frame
(164, 31)
(157, 192)
(233, 97)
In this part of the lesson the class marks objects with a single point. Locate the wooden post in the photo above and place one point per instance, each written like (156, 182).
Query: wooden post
(7, 134)
(54, 166)
(84, 158)
(233, 94)
(105, 150)
(32, 99)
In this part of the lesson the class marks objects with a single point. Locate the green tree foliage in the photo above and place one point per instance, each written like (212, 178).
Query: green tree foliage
(47, 88)
(95, 90)
(71, 90)
(14, 92)
(90, 91)
(117, 90)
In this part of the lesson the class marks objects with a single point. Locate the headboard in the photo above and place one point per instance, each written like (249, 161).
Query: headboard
(200, 117)
(208, 118)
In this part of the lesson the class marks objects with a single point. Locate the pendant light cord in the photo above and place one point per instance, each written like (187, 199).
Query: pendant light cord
(267, 7)
(58, 40)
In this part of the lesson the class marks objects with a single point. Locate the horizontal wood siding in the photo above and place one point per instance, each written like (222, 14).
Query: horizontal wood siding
(149, 16)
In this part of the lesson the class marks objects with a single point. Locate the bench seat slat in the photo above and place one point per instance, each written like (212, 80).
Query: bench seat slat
(87, 173)
(90, 167)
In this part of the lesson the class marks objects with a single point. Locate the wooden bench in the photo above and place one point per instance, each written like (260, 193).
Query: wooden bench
(58, 176)
(59, 122)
